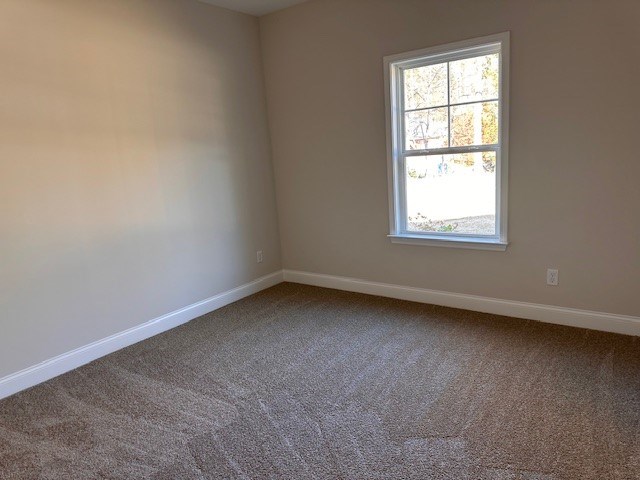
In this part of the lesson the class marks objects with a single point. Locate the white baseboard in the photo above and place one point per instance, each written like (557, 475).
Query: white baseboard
(80, 356)
(607, 322)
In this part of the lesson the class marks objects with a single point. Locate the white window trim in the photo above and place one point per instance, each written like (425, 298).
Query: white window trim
(438, 54)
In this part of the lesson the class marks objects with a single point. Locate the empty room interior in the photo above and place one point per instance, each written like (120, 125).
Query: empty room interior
(322, 239)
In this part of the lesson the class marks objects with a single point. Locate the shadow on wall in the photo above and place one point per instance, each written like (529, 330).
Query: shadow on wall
(135, 173)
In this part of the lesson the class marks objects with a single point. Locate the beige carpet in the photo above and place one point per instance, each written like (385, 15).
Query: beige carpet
(300, 383)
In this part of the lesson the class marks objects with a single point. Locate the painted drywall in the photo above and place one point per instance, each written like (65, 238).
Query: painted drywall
(574, 169)
(135, 170)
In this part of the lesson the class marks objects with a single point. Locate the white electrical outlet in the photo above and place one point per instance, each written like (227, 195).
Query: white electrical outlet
(552, 276)
(259, 256)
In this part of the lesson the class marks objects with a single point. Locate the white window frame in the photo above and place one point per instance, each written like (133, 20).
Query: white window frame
(393, 66)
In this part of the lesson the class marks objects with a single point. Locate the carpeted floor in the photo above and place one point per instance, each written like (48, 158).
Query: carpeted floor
(299, 382)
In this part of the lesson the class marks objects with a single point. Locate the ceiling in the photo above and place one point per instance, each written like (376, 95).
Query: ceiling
(254, 7)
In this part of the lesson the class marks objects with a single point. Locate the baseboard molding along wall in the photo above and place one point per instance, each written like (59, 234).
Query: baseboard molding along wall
(607, 322)
(66, 362)
(29, 377)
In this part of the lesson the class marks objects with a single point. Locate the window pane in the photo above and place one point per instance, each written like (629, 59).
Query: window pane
(474, 79)
(425, 87)
(474, 124)
(427, 129)
(452, 193)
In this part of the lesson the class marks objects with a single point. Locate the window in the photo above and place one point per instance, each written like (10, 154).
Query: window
(447, 116)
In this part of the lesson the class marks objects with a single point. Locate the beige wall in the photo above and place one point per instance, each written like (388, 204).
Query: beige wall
(574, 160)
(135, 172)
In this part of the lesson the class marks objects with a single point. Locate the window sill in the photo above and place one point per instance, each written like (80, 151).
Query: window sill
(473, 243)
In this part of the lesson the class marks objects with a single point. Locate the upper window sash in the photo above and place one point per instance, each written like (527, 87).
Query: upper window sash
(436, 59)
